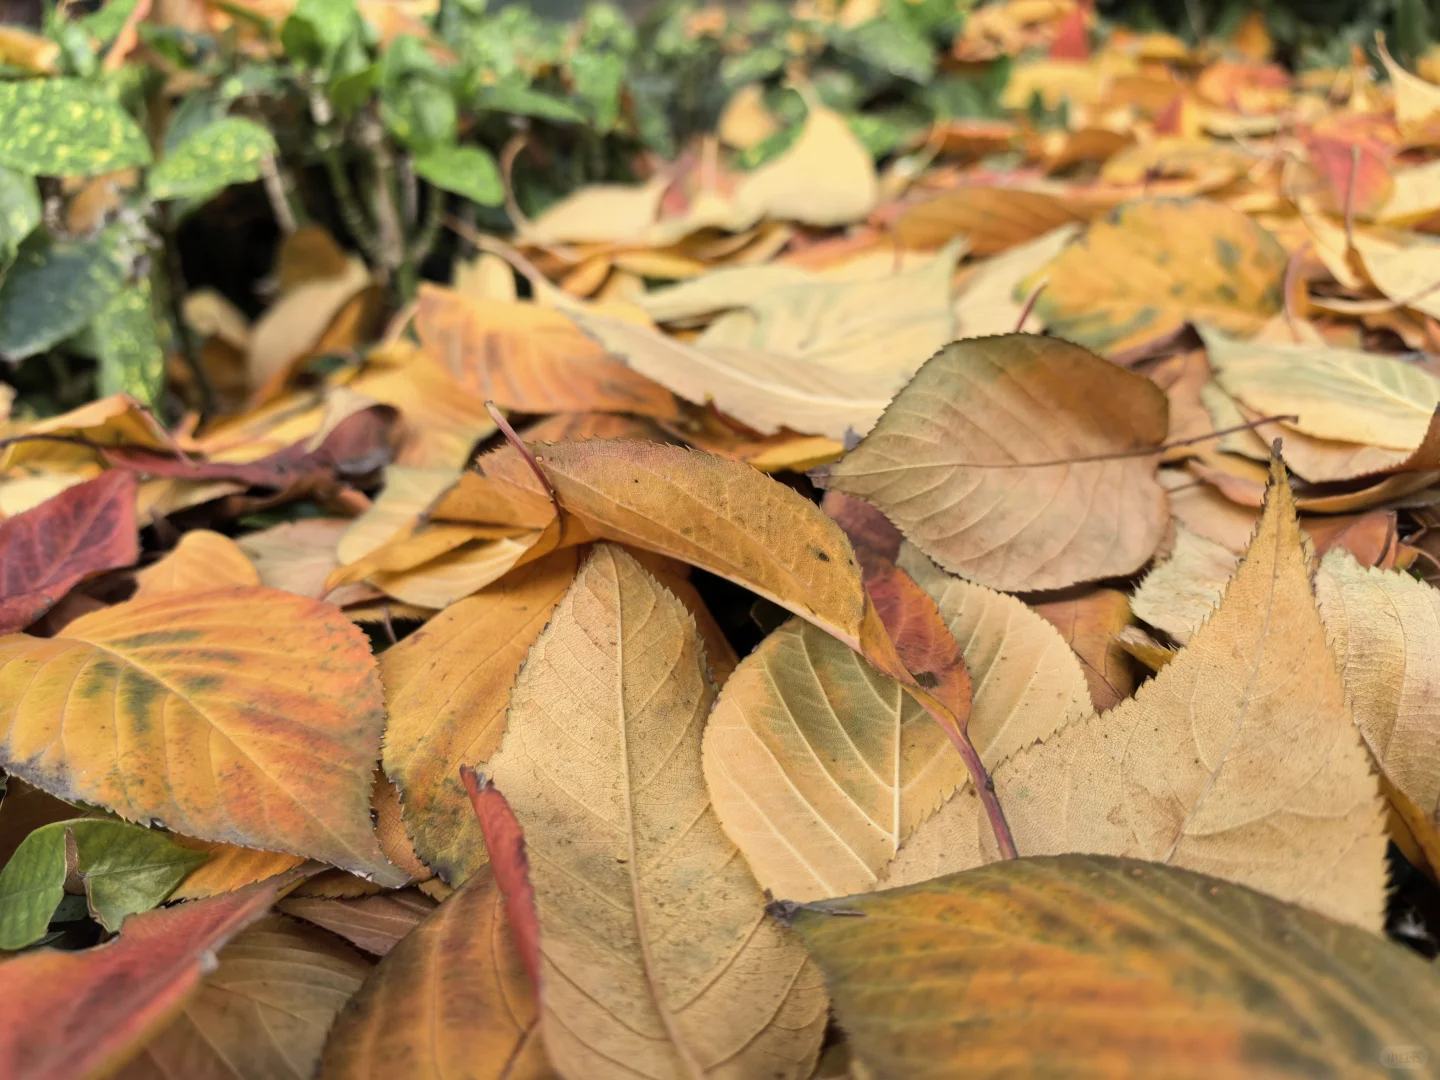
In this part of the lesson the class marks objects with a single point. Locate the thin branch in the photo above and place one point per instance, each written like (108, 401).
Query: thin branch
(984, 786)
(1030, 304)
(519, 444)
(496, 246)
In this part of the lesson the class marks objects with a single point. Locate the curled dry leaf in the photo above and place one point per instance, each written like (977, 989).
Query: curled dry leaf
(1019, 462)
(254, 716)
(81, 531)
(85, 1013)
(448, 686)
(1138, 276)
(262, 1013)
(1239, 758)
(451, 999)
(1003, 968)
(657, 957)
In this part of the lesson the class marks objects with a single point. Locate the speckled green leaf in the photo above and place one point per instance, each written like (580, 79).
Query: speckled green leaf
(54, 290)
(20, 211)
(125, 869)
(31, 887)
(226, 152)
(64, 127)
(465, 170)
(131, 360)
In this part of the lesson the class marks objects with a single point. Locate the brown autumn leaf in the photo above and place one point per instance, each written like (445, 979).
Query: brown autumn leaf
(451, 998)
(992, 219)
(1090, 619)
(530, 358)
(83, 530)
(1019, 462)
(86, 1013)
(447, 688)
(657, 956)
(262, 1012)
(373, 923)
(249, 716)
(1063, 966)
(1244, 737)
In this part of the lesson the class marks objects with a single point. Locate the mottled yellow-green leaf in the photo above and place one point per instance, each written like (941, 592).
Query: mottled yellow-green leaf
(20, 211)
(53, 290)
(229, 151)
(131, 360)
(65, 127)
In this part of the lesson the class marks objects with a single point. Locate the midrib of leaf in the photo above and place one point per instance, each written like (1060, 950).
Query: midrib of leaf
(647, 961)
(1245, 701)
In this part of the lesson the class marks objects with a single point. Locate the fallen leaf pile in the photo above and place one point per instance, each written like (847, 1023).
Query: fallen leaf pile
(525, 681)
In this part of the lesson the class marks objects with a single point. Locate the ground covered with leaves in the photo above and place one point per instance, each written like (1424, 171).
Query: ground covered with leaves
(925, 569)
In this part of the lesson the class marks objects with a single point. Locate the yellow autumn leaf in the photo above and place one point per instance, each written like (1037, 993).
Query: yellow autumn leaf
(1178, 594)
(447, 687)
(1139, 275)
(657, 957)
(246, 715)
(201, 562)
(1019, 462)
(451, 999)
(819, 766)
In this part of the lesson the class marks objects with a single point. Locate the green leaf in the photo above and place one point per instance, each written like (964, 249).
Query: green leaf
(468, 171)
(599, 78)
(891, 46)
(126, 868)
(1064, 966)
(20, 211)
(523, 101)
(31, 887)
(131, 360)
(421, 114)
(64, 127)
(317, 28)
(106, 23)
(226, 152)
(752, 66)
(53, 290)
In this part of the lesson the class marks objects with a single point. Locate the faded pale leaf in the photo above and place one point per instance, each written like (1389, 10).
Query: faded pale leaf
(201, 562)
(1178, 595)
(1240, 758)
(1084, 965)
(407, 493)
(1384, 627)
(298, 556)
(451, 1000)
(1336, 394)
(1020, 462)
(988, 304)
(658, 958)
(296, 323)
(246, 715)
(819, 766)
(826, 177)
(262, 1013)
(448, 686)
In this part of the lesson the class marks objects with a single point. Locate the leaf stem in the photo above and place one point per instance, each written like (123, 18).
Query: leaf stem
(519, 444)
(984, 786)
(1030, 304)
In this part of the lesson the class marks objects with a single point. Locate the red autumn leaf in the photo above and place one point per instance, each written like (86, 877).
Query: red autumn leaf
(505, 841)
(77, 1014)
(1347, 159)
(48, 550)
(1072, 37)
(923, 642)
